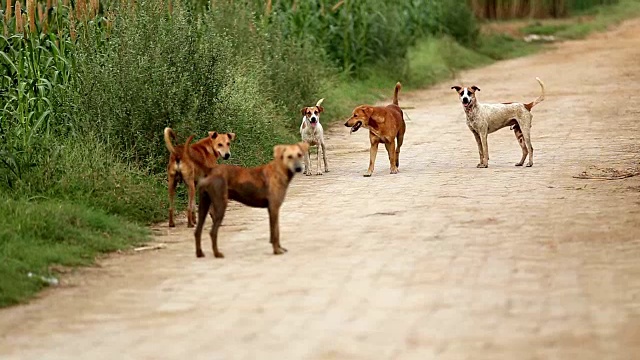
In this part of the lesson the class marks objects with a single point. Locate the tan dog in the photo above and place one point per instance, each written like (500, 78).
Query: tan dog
(483, 119)
(385, 124)
(190, 165)
(263, 187)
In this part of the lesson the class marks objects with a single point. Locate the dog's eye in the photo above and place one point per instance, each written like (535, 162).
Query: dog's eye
(299, 155)
(315, 112)
(228, 144)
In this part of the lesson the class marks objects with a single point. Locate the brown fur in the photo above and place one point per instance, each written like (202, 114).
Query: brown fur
(190, 165)
(386, 125)
(263, 186)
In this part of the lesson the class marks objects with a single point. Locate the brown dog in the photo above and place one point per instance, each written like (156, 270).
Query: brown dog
(263, 187)
(190, 165)
(385, 124)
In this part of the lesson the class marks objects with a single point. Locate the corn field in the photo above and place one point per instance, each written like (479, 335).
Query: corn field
(508, 9)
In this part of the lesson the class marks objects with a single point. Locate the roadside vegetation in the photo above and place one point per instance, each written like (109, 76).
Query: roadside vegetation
(87, 87)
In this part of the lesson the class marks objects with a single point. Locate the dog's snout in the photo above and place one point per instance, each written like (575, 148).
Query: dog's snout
(313, 119)
(227, 156)
(298, 168)
(465, 100)
(347, 124)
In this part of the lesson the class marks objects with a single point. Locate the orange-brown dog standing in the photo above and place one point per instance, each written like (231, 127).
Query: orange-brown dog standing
(263, 187)
(386, 125)
(190, 162)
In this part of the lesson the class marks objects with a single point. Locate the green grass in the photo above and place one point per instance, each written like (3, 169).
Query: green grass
(598, 18)
(37, 234)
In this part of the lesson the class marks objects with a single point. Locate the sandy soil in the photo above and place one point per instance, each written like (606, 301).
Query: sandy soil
(443, 260)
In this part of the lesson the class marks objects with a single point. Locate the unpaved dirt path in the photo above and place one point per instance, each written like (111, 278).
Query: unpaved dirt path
(440, 261)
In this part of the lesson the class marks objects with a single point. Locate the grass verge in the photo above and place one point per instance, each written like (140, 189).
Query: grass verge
(36, 235)
(598, 18)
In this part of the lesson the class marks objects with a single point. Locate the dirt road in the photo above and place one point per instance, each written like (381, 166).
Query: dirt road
(443, 260)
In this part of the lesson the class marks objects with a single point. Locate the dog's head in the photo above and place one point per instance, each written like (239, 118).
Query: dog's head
(312, 113)
(467, 95)
(291, 156)
(360, 118)
(221, 144)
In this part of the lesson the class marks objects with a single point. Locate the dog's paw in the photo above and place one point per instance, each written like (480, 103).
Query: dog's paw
(199, 254)
(519, 164)
(393, 171)
(172, 225)
(319, 173)
(529, 164)
(326, 170)
(189, 225)
(279, 251)
(219, 255)
(367, 174)
(482, 166)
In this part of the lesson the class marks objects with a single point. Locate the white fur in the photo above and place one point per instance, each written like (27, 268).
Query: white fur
(314, 136)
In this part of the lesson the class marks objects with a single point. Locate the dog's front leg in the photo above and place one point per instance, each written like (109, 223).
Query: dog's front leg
(324, 157)
(480, 151)
(373, 152)
(274, 213)
(391, 150)
(485, 150)
(307, 163)
(318, 168)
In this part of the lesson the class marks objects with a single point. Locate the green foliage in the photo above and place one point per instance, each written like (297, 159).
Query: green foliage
(36, 234)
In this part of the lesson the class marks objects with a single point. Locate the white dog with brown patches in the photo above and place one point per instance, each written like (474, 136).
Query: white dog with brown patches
(483, 119)
(313, 134)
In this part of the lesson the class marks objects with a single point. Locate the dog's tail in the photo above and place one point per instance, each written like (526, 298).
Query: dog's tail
(319, 102)
(185, 153)
(540, 98)
(168, 134)
(395, 93)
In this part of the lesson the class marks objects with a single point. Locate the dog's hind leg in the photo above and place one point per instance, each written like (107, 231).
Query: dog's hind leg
(526, 134)
(318, 167)
(172, 196)
(203, 209)
(518, 132)
(324, 157)
(219, 203)
(191, 208)
(274, 225)
(400, 140)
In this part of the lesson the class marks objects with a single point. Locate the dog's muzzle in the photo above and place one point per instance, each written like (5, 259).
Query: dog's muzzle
(298, 169)
(313, 121)
(227, 156)
(355, 127)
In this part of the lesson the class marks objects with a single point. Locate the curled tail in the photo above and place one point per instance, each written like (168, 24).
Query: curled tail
(168, 134)
(395, 93)
(540, 98)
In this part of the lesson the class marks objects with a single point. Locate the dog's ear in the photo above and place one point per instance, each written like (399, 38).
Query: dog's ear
(303, 111)
(475, 88)
(232, 136)
(368, 111)
(278, 152)
(320, 108)
(213, 134)
(457, 88)
(303, 146)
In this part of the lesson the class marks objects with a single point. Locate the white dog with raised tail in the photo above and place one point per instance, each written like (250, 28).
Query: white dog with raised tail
(312, 133)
